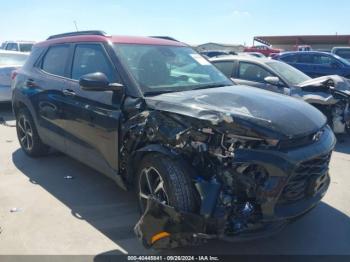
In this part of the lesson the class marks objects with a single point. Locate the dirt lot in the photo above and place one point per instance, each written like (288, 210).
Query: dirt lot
(90, 215)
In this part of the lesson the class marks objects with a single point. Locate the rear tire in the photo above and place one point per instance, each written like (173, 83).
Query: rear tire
(28, 136)
(168, 181)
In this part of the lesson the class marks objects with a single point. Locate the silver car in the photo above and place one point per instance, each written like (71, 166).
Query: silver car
(9, 61)
(330, 94)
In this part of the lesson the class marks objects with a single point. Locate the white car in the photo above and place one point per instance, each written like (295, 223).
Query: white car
(19, 46)
(9, 61)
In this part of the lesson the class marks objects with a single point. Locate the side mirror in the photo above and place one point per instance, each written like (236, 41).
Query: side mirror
(98, 82)
(272, 80)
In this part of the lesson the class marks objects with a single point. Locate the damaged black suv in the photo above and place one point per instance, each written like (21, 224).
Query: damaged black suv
(207, 159)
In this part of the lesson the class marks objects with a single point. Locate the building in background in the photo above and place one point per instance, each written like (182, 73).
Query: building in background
(316, 42)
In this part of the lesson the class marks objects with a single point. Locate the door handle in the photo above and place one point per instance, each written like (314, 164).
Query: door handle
(68, 92)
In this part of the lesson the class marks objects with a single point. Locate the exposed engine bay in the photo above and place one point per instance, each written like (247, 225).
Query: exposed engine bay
(249, 174)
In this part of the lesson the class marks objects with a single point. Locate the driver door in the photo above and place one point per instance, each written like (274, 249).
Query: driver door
(92, 118)
(326, 65)
(251, 74)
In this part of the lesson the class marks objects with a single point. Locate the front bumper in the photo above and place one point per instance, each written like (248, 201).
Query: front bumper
(298, 179)
(308, 164)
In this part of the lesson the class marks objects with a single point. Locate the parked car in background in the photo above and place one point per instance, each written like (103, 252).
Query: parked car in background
(343, 52)
(330, 94)
(19, 46)
(263, 49)
(9, 61)
(302, 48)
(210, 54)
(316, 64)
(206, 159)
(255, 54)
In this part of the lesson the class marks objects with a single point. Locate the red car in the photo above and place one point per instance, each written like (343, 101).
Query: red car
(263, 49)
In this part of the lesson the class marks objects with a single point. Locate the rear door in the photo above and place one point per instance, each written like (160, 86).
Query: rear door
(45, 85)
(305, 64)
(92, 118)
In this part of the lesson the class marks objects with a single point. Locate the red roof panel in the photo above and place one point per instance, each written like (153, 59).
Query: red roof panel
(114, 39)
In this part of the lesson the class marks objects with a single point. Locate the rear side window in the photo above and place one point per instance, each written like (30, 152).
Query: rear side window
(225, 67)
(55, 60)
(289, 58)
(91, 58)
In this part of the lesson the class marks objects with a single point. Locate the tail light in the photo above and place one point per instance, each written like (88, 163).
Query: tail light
(13, 74)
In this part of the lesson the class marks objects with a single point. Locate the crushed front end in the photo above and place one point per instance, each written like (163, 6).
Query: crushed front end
(254, 167)
(331, 95)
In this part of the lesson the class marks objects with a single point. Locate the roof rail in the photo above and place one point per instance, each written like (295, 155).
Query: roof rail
(166, 38)
(91, 32)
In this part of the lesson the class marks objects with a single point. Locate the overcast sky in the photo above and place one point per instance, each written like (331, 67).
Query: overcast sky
(191, 21)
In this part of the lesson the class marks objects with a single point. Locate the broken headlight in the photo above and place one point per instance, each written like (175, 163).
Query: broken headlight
(232, 141)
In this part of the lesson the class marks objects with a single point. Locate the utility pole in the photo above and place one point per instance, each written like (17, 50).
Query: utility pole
(76, 26)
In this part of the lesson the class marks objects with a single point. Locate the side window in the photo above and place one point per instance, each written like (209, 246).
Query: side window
(252, 72)
(91, 58)
(225, 67)
(12, 47)
(323, 60)
(55, 60)
(306, 59)
(289, 58)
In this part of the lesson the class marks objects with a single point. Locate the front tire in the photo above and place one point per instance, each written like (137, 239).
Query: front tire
(168, 181)
(28, 136)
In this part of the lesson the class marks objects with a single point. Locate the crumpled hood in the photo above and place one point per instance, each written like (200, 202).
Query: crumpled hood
(279, 113)
(338, 82)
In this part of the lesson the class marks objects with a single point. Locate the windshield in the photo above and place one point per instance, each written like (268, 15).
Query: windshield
(12, 59)
(289, 74)
(25, 47)
(344, 53)
(342, 59)
(160, 69)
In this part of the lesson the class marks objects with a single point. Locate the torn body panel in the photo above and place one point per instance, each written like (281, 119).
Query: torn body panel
(331, 95)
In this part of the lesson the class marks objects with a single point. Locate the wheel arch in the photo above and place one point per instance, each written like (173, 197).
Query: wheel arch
(19, 104)
(140, 153)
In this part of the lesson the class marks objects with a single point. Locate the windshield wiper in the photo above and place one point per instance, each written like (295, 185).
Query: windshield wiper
(158, 92)
(210, 86)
